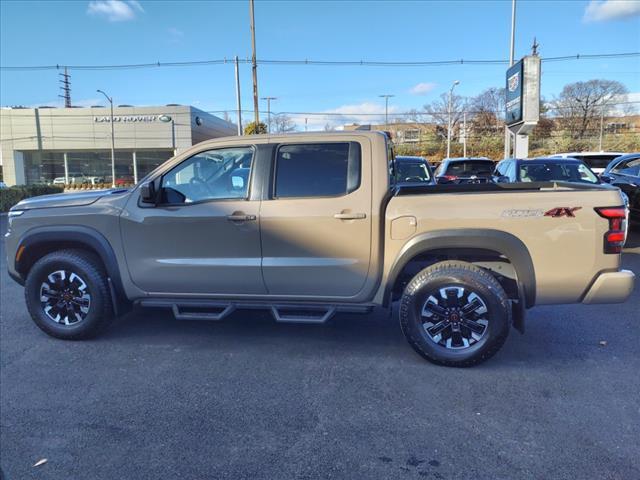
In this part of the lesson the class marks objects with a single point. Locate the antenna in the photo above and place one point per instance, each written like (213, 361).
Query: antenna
(534, 47)
(65, 87)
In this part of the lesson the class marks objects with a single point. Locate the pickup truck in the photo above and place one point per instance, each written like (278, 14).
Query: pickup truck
(307, 225)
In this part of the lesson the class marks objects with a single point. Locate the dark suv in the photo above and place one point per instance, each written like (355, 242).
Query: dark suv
(624, 173)
(465, 170)
(413, 171)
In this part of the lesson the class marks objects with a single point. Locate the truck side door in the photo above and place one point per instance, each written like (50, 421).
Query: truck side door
(316, 224)
(203, 237)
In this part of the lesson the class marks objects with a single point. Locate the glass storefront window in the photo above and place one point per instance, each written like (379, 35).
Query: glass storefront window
(148, 160)
(43, 167)
(90, 167)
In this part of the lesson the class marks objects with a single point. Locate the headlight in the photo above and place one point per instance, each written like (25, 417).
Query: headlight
(13, 214)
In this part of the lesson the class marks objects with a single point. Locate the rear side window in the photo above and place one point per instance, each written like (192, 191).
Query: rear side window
(317, 170)
(471, 167)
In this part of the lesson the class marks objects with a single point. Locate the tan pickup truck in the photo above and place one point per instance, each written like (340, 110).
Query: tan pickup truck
(307, 225)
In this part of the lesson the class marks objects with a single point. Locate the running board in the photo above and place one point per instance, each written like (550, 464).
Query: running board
(191, 309)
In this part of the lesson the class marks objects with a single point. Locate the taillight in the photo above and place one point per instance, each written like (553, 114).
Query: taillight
(450, 177)
(617, 234)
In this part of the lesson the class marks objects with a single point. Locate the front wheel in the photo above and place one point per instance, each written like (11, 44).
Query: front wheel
(455, 314)
(68, 296)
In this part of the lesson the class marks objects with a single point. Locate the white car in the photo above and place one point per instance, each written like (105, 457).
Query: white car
(597, 161)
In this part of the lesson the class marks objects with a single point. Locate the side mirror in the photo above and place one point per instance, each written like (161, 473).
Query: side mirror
(605, 178)
(148, 192)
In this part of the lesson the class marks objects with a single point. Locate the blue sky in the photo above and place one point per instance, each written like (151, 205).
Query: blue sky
(113, 32)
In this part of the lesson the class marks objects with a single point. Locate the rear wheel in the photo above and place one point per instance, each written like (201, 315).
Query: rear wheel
(455, 314)
(68, 296)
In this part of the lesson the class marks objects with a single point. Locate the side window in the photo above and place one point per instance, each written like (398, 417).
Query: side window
(317, 169)
(211, 175)
(628, 167)
(511, 171)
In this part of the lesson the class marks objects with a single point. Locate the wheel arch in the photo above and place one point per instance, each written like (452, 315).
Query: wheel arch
(40, 241)
(500, 242)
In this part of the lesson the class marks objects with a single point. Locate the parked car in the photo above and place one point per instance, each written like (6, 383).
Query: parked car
(413, 170)
(464, 170)
(543, 170)
(78, 179)
(124, 180)
(319, 227)
(596, 161)
(624, 173)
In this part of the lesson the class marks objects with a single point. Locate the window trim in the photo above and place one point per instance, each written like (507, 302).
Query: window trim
(274, 170)
(208, 200)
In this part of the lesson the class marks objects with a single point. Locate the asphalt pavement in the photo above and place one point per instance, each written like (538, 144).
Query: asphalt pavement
(251, 399)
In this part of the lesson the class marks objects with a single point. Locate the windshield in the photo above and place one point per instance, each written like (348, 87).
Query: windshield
(412, 172)
(470, 167)
(559, 172)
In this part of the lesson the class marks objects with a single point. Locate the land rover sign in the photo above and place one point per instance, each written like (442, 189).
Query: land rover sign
(514, 94)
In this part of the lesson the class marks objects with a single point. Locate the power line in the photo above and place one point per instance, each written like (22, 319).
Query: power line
(368, 63)
(44, 116)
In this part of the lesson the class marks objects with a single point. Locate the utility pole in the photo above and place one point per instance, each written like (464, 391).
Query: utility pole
(254, 65)
(66, 88)
(386, 109)
(305, 123)
(268, 99)
(464, 139)
(113, 142)
(239, 106)
(457, 82)
(507, 133)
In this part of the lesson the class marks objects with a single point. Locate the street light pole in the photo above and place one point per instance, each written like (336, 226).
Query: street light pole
(507, 133)
(464, 139)
(601, 124)
(386, 109)
(113, 142)
(268, 99)
(449, 126)
(239, 105)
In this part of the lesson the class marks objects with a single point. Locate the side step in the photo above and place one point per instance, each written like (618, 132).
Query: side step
(208, 312)
(289, 314)
(190, 309)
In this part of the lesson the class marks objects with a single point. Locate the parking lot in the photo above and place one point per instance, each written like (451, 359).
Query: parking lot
(248, 398)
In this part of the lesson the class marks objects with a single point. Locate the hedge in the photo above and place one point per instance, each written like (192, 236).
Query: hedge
(11, 195)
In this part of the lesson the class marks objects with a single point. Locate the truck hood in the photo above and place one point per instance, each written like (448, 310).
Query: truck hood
(66, 199)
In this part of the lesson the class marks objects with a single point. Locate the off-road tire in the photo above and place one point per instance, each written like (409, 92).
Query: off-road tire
(471, 278)
(90, 269)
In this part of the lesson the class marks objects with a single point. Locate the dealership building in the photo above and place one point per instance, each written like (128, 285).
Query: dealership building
(40, 145)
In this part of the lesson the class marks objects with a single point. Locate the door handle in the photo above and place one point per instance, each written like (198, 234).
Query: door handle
(350, 216)
(240, 217)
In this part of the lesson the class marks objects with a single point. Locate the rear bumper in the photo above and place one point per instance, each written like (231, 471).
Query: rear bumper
(610, 287)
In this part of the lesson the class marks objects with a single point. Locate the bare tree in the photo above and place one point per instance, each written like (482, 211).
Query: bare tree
(282, 124)
(438, 110)
(580, 104)
(487, 110)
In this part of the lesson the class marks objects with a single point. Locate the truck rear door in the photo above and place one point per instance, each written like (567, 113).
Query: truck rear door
(315, 224)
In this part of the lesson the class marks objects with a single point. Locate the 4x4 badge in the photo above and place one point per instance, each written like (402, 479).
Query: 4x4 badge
(561, 212)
